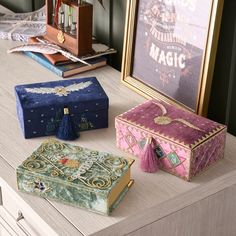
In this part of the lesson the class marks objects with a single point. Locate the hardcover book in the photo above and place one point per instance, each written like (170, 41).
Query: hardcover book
(40, 106)
(58, 59)
(55, 59)
(99, 50)
(73, 175)
(186, 143)
(67, 69)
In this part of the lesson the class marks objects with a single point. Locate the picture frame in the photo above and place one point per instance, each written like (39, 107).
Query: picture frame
(170, 48)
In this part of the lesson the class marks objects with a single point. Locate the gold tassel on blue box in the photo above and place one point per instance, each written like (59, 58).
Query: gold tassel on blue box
(66, 130)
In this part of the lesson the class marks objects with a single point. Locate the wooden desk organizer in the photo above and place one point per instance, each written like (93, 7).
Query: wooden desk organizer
(78, 42)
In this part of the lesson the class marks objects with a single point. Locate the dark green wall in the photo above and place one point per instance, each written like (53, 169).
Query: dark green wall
(117, 29)
(22, 5)
(17, 6)
(109, 28)
(223, 93)
(108, 22)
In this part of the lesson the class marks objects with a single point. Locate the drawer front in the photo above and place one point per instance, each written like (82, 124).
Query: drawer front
(8, 225)
(19, 216)
(5, 228)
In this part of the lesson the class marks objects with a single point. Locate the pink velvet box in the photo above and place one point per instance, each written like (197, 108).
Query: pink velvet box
(186, 143)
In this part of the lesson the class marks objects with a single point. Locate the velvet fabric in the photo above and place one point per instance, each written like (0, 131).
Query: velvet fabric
(184, 126)
(40, 106)
(75, 176)
(186, 144)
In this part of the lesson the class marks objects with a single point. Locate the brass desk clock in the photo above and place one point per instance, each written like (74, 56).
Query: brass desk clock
(69, 25)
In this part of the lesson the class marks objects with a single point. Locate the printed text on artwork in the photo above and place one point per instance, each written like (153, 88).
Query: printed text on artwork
(167, 58)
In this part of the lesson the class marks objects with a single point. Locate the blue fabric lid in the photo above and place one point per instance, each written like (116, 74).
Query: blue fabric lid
(82, 93)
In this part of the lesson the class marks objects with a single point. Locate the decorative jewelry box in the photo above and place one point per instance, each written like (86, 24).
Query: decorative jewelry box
(186, 143)
(73, 175)
(40, 106)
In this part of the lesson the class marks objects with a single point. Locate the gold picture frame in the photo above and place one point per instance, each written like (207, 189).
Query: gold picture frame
(158, 53)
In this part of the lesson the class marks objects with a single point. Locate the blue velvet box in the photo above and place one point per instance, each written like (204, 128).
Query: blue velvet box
(40, 106)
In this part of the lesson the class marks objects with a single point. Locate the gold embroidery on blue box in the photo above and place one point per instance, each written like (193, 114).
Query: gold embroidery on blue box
(60, 90)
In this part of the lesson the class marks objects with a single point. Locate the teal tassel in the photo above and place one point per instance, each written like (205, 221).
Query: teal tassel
(66, 130)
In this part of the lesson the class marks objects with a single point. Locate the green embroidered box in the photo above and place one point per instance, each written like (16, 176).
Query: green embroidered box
(89, 179)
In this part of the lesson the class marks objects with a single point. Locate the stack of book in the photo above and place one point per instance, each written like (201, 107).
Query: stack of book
(64, 67)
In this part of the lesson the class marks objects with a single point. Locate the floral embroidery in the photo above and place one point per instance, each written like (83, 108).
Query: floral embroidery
(70, 163)
(67, 162)
(39, 185)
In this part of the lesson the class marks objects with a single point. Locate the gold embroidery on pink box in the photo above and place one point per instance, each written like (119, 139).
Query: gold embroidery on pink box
(165, 120)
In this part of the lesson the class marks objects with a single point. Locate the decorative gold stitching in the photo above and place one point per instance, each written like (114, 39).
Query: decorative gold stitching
(205, 137)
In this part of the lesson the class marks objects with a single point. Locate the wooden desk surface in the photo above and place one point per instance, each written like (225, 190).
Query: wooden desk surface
(151, 198)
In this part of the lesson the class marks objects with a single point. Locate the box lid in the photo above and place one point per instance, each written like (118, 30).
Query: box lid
(170, 122)
(75, 166)
(79, 95)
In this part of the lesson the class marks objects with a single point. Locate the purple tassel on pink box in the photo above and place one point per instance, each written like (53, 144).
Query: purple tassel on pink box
(148, 158)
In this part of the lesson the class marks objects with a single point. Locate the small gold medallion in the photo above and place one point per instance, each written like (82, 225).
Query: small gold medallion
(61, 91)
(61, 37)
(162, 120)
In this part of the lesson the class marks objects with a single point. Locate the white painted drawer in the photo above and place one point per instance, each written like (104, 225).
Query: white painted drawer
(16, 216)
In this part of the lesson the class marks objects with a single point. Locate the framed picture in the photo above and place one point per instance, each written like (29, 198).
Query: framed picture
(170, 48)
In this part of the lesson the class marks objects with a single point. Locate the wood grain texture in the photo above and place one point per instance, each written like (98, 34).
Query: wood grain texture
(31, 222)
(151, 198)
(6, 229)
(212, 216)
(0, 196)
(81, 44)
